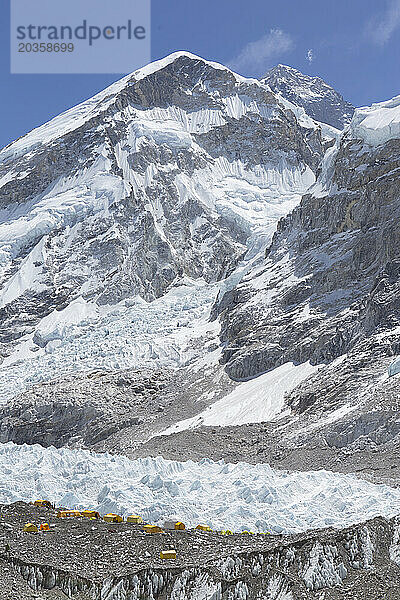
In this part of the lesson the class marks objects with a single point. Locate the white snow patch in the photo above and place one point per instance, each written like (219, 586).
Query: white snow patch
(301, 115)
(56, 324)
(321, 570)
(394, 551)
(260, 399)
(394, 367)
(70, 200)
(67, 121)
(27, 277)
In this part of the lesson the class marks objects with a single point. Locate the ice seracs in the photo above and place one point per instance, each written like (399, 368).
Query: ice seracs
(260, 499)
(378, 123)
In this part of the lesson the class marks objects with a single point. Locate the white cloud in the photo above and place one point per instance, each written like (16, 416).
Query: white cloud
(382, 28)
(310, 55)
(256, 57)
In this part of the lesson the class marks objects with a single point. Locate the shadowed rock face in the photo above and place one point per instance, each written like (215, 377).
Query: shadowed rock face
(331, 276)
(318, 99)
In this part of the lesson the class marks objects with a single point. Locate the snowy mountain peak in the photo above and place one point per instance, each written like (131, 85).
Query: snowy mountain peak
(164, 181)
(179, 70)
(283, 68)
(160, 64)
(320, 101)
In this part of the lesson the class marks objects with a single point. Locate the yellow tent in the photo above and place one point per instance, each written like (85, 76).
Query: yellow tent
(43, 503)
(113, 518)
(90, 514)
(172, 524)
(30, 528)
(134, 519)
(203, 528)
(168, 554)
(152, 529)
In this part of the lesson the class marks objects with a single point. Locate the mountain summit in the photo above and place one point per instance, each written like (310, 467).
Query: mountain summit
(319, 100)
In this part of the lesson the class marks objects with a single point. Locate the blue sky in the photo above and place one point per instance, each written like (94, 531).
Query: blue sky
(353, 44)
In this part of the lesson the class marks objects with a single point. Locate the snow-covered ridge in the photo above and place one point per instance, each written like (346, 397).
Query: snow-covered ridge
(71, 119)
(157, 65)
(75, 117)
(260, 498)
(378, 123)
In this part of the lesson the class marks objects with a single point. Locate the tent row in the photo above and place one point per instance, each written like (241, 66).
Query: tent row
(169, 525)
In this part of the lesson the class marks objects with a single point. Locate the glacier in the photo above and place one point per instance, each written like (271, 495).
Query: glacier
(133, 333)
(260, 498)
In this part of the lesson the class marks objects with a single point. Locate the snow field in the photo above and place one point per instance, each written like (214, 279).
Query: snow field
(260, 399)
(235, 496)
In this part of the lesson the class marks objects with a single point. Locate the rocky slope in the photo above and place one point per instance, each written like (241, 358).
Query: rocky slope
(328, 293)
(318, 99)
(359, 562)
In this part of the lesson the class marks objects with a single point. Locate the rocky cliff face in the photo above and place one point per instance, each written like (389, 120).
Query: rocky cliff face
(318, 99)
(327, 292)
(329, 278)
